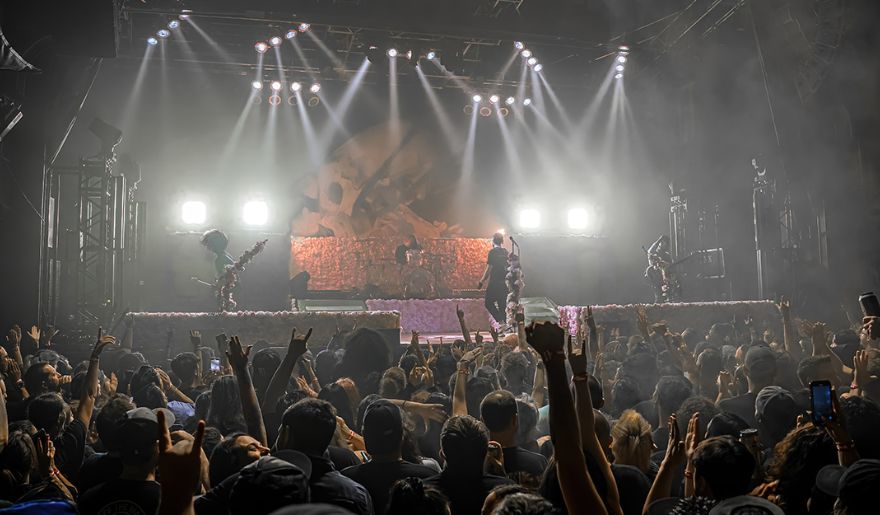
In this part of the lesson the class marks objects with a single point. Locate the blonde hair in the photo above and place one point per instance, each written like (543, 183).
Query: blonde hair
(629, 434)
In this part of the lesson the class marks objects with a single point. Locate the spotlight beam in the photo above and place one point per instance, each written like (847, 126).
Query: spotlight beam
(445, 123)
(135, 95)
(216, 46)
(329, 53)
(509, 146)
(556, 102)
(339, 113)
(303, 58)
(467, 160)
(394, 104)
(315, 150)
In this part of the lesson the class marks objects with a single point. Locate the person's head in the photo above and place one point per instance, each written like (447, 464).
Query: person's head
(365, 352)
(723, 468)
(691, 338)
(524, 504)
(335, 394)
(603, 433)
(498, 494)
(185, 366)
(464, 442)
(815, 368)
(411, 495)
(264, 363)
(760, 367)
(408, 362)
(383, 429)
(725, 424)
(225, 412)
(139, 448)
(477, 388)
(625, 394)
(643, 368)
(632, 443)
(776, 412)
(232, 454)
(325, 366)
(411, 241)
(709, 363)
(527, 420)
(150, 396)
(109, 420)
(270, 483)
(143, 376)
(696, 404)
(514, 368)
(865, 415)
(49, 412)
(215, 241)
(499, 412)
(41, 378)
(362, 410)
(797, 460)
(308, 427)
(719, 333)
(497, 238)
(19, 456)
(855, 487)
(671, 392)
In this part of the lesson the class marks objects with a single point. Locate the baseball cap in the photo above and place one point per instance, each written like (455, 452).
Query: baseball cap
(140, 429)
(855, 486)
(383, 427)
(746, 505)
(772, 394)
(760, 360)
(268, 484)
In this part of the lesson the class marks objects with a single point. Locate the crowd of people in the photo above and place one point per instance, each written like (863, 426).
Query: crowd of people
(532, 422)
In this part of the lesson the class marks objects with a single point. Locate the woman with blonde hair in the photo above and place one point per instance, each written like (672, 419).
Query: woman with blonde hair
(632, 443)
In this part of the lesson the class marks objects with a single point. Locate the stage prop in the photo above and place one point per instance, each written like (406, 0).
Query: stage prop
(678, 316)
(444, 267)
(435, 316)
(163, 335)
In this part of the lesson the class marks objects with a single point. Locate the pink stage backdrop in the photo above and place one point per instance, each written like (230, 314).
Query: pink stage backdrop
(347, 263)
(435, 316)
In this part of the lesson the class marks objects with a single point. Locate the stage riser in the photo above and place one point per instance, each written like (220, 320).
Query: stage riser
(150, 330)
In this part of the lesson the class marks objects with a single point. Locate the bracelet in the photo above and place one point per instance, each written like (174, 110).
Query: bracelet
(464, 370)
(845, 446)
(854, 386)
(688, 474)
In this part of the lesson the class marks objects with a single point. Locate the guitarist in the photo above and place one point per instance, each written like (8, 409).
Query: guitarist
(659, 273)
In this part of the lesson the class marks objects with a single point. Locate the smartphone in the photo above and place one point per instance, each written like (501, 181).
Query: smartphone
(870, 304)
(215, 364)
(221, 341)
(820, 402)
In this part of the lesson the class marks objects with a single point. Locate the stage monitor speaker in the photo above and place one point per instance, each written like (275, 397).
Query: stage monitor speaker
(540, 309)
(330, 305)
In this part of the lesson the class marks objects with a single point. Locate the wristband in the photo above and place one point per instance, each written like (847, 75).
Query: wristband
(845, 446)
(689, 474)
(854, 386)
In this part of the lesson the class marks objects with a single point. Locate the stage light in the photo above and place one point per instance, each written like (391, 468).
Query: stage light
(304, 27)
(510, 101)
(392, 52)
(526, 53)
(532, 61)
(152, 41)
(485, 112)
(527, 102)
(619, 67)
(255, 212)
(477, 99)
(163, 33)
(275, 41)
(530, 218)
(623, 48)
(494, 99)
(618, 76)
(184, 15)
(295, 86)
(193, 212)
(276, 85)
(431, 55)
(290, 34)
(539, 67)
(173, 24)
(275, 100)
(504, 112)
(315, 88)
(621, 59)
(578, 218)
(261, 47)
(257, 85)
(519, 45)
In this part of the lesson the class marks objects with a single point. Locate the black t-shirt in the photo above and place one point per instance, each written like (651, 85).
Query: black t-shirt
(121, 496)
(378, 478)
(465, 493)
(524, 467)
(741, 405)
(633, 486)
(342, 458)
(97, 469)
(70, 450)
(497, 262)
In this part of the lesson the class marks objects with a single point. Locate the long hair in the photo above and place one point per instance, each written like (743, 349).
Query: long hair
(225, 412)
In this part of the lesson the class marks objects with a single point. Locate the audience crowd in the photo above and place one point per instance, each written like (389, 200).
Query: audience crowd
(531, 422)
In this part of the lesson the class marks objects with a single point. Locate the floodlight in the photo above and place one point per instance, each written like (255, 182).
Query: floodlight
(261, 47)
(163, 33)
(276, 85)
(173, 24)
(478, 98)
(257, 85)
(275, 41)
(290, 34)
(255, 212)
(519, 45)
(578, 218)
(152, 41)
(494, 99)
(315, 88)
(539, 67)
(530, 218)
(510, 101)
(193, 212)
(392, 52)
(295, 86)
(526, 53)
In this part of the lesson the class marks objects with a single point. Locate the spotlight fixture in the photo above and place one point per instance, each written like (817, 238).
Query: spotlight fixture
(532, 61)
(618, 76)
(275, 100)
(304, 27)
(621, 59)
(295, 86)
(173, 24)
(185, 14)
(313, 101)
(485, 112)
(290, 34)
(431, 55)
(255, 213)
(257, 85)
(530, 218)
(519, 45)
(276, 85)
(578, 219)
(526, 53)
(163, 33)
(504, 112)
(193, 212)
(261, 47)
(275, 41)
(494, 99)
(619, 67)
(527, 102)
(477, 99)
(539, 67)
(468, 109)
(510, 101)
(392, 52)
(315, 88)
(623, 48)
(152, 41)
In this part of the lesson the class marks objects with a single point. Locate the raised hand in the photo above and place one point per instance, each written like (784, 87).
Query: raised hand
(642, 321)
(546, 338)
(34, 333)
(14, 336)
(591, 322)
(428, 412)
(111, 384)
(675, 451)
(304, 386)
(860, 369)
(784, 306)
(298, 345)
(494, 333)
(724, 381)
(459, 312)
(102, 342)
(180, 465)
(693, 437)
(45, 454)
(164, 378)
(470, 356)
(478, 338)
(871, 327)
(195, 339)
(578, 360)
(238, 355)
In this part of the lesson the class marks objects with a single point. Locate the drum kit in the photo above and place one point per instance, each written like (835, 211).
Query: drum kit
(421, 277)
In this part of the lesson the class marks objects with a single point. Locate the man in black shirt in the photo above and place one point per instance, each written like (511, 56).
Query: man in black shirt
(464, 442)
(498, 411)
(496, 273)
(383, 435)
(760, 368)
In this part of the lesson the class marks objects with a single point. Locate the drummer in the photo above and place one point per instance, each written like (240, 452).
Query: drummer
(404, 249)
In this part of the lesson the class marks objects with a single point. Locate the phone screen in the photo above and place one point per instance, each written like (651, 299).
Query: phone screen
(821, 403)
(215, 365)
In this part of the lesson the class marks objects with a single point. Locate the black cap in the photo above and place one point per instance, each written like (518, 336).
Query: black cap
(856, 486)
(760, 360)
(383, 427)
(140, 428)
(268, 484)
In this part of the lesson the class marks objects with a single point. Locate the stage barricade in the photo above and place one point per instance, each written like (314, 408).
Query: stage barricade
(437, 316)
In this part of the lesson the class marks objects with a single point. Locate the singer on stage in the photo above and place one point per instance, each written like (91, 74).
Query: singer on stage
(496, 271)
